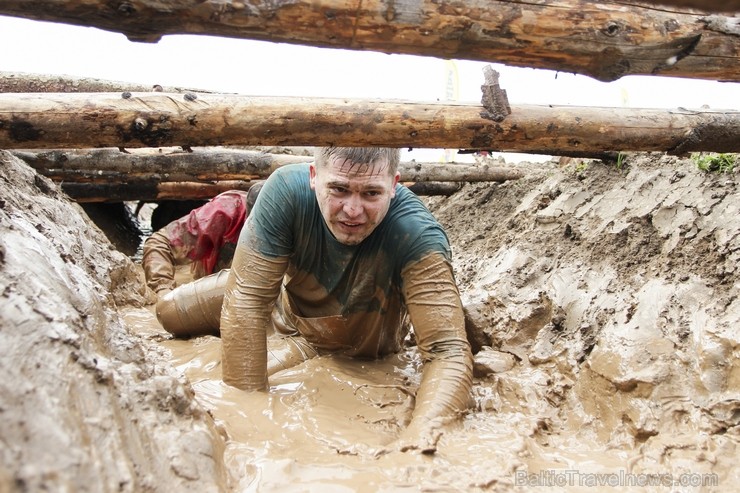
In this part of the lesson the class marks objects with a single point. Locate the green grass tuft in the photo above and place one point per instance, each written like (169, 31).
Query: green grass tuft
(716, 163)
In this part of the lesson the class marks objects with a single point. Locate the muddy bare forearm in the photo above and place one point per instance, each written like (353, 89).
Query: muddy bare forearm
(436, 313)
(251, 291)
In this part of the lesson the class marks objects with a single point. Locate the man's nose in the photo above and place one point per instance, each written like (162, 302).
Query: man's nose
(353, 206)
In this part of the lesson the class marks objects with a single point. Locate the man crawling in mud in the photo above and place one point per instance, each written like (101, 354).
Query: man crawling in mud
(204, 238)
(343, 252)
(332, 259)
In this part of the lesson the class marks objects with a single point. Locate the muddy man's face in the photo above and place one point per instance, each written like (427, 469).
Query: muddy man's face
(353, 198)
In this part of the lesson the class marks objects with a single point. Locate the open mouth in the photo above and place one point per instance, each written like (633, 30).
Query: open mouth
(350, 225)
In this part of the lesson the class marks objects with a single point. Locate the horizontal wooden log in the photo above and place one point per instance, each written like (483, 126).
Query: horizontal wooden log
(82, 120)
(430, 188)
(27, 82)
(206, 165)
(721, 6)
(149, 192)
(605, 40)
(172, 164)
(156, 191)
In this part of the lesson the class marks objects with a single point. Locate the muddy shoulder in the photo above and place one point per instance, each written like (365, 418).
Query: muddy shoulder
(602, 305)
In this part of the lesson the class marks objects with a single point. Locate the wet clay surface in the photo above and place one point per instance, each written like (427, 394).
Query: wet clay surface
(85, 406)
(325, 422)
(604, 303)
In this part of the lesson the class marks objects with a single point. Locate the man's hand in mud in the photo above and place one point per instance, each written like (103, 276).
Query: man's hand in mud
(414, 439)
(421, 439)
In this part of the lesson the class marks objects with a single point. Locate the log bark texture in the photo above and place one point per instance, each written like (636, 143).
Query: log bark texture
(27, 82)
(723, 6)
(155, 191)
(603, 40)
(161, 165)
(149, 192)
(54, 120)
(445, 188)
(101, 166)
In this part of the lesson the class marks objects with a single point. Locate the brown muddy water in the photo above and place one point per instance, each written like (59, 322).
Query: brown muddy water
(327, 425)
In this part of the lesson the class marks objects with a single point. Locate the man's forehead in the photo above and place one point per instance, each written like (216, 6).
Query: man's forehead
(351, 168)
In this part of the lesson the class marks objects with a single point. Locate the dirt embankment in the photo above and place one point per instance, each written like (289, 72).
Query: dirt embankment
(85, 406)
(603, 302)
(619, 288)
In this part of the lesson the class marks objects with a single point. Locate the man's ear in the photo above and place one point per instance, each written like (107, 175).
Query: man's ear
(395, 182)
(312, 176)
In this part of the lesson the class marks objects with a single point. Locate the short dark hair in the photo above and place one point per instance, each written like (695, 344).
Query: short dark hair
(360, 155)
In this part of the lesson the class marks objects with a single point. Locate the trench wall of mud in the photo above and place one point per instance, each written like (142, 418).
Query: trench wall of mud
(616, 292)
(83, 406)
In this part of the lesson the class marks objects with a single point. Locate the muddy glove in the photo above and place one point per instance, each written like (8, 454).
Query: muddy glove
(440, 400)
(159, 264)
(193, 309)
(436, 313)
(421, 438)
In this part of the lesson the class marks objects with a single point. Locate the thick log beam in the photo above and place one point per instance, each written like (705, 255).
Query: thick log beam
(55, 120)
(101, 166)
(603, 40)
(162, 165)
(156, 191)
(149, 192)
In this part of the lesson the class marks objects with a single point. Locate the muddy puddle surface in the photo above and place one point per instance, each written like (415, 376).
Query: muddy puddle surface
(328, 425)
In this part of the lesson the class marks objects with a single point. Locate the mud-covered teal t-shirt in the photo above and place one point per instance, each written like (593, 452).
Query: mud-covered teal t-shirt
(340, 297)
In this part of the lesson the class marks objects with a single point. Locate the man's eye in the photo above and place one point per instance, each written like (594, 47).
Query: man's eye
(372, 194)
(338, 189)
